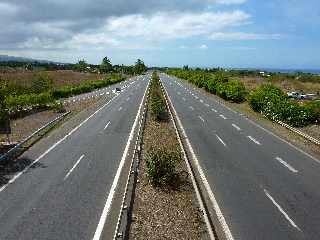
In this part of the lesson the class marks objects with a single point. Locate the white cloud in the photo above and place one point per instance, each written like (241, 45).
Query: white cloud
(230, 36)
(203, 47)
(228, 2)
(173, 25)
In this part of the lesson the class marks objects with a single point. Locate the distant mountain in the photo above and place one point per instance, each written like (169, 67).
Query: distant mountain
(6, 58)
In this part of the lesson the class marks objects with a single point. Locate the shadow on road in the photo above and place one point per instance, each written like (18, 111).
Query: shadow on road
(9, 168)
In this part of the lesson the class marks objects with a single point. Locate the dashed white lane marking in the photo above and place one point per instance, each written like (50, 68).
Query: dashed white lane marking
(222, 116)
(191, 108)
(107, 206)
(120, 108)
(236, 127)
(74, 166)
(207, 105)
(254, 140)
(107, 125)
(196, 96)
(201, 118)
(201, 100)
(184, 99)
(224, 144)
(214, 110)
(281, 210)
(287, 165)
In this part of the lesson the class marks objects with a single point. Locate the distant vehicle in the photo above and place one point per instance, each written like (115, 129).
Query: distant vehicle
(294, 95)
(299, 96)
(118, 89)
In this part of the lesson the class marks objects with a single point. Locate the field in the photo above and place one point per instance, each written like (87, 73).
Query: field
(60, 77)
(286, 84)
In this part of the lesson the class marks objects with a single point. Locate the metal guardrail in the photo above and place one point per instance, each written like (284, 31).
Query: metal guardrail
(20, 144)
(302, 134)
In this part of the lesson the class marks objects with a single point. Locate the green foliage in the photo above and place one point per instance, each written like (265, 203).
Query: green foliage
(18, 103)
(140, 67)
(314, 107)
(217, 83)
(105, 66)
(41, 83)
(161, 166)
(81, 66)
(67, 91)
(275, 105)
(157, 102)
(234, 91)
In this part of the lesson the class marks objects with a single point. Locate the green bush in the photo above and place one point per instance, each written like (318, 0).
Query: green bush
(275, 105)
(314, 108)
(41, 83)
(161, 166)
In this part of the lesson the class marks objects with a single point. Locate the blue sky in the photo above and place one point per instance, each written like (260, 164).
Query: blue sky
(206, 33)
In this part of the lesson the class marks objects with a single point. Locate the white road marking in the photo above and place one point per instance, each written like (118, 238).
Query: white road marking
(281, 210)
(214, 110)
(54, 146)
(201, 100)
(236, 127)
(128, 99)
(254, 140)
(191, 108)
(287, 165)
(196, 97)
(222, 116)
(201, 118)
(74, 166)
(106, 125)
(207, 105)
(120, 108)
(221, 219)
(184, 99)
(106, 209)
(224, 144)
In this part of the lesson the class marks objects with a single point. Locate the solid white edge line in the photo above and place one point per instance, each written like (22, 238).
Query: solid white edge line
(281, 210)
(287, 165)
(74, 166)
(55, 145)
(221, 140)
(206, 184)
(109, 200)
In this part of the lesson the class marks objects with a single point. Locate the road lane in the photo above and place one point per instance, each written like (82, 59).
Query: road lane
(42, 204)
(240, 173)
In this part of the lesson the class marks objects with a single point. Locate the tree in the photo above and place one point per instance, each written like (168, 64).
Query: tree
(42, 83)
(139, 67)
(81, 66)
(106, 65)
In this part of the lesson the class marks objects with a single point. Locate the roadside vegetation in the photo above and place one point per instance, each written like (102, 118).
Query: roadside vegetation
(164, 206)
(267, 98)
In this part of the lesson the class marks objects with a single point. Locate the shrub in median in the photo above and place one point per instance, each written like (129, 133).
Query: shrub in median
(161, 166)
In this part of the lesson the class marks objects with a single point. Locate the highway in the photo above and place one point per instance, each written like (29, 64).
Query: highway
(71, 187)
(261, 186)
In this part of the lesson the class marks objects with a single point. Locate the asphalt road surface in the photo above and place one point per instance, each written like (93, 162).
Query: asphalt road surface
(264, 187)
(68, 192)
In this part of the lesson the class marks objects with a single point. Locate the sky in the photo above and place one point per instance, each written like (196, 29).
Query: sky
(199, 33)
